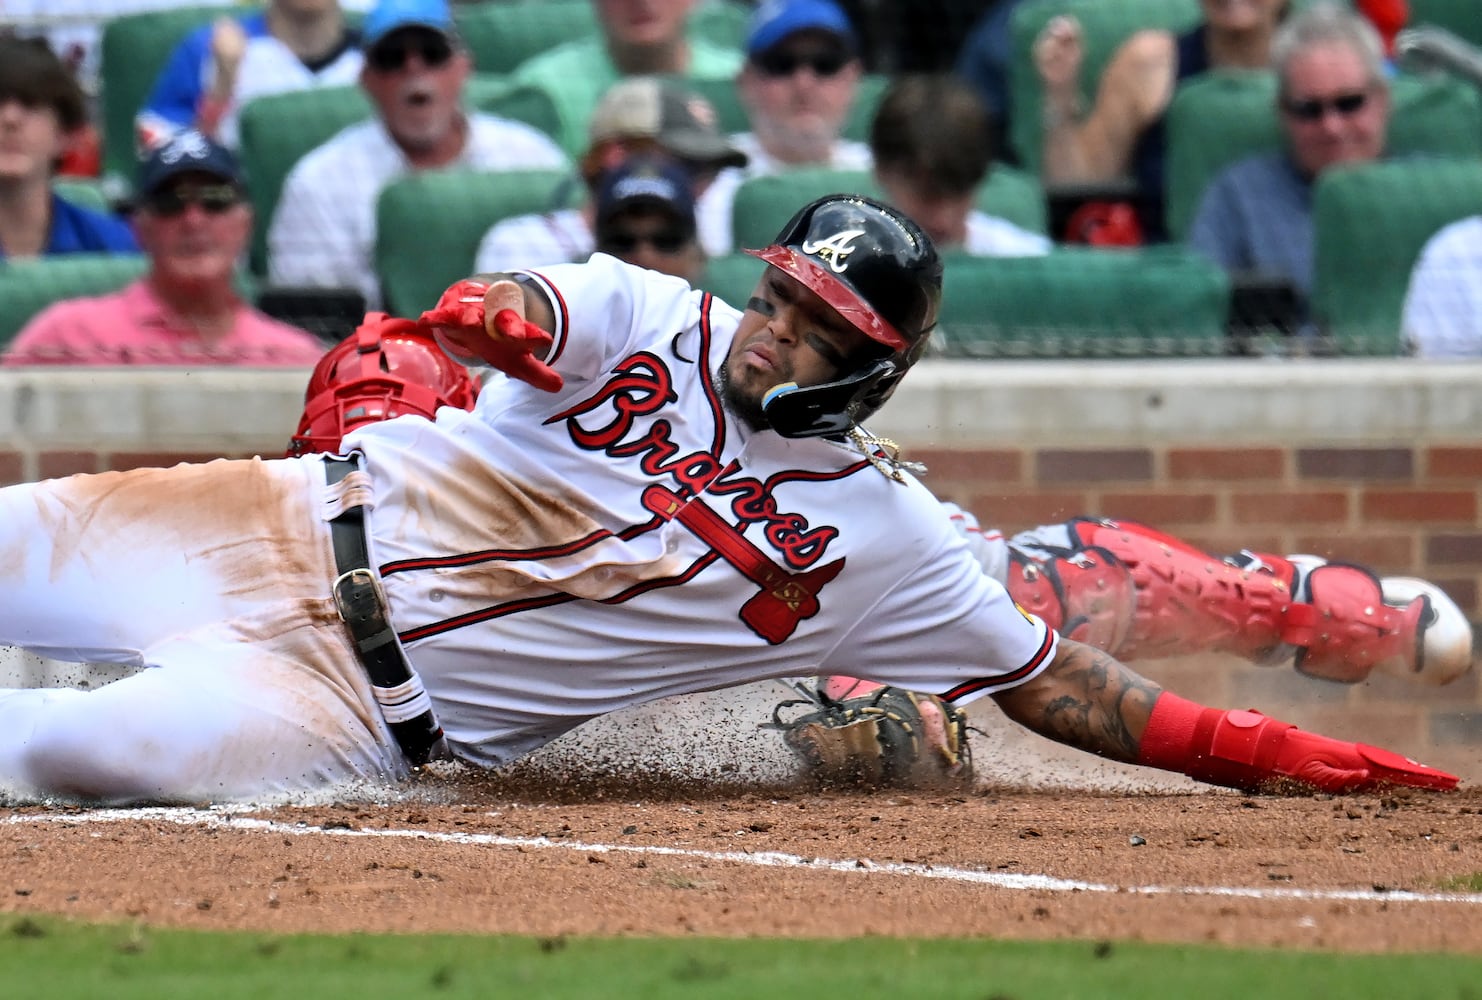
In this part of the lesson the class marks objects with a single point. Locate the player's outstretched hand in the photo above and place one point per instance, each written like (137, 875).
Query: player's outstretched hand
(1250, 751)
(1331, 765)
(479, 323)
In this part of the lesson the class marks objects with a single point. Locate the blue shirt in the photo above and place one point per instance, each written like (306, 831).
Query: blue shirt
(1256, 218)
(1150, 154)
(75, 229)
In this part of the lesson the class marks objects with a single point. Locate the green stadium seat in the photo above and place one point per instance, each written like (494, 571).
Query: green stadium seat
(764, 204)
(1015, 195)
(276, 132)
(133, 50)
(504, 33)
(862, 112)
(450, 210)
(732, 277)
(1219, 118)
(531, 105)
(1106, 25)
(501, 35)
(1462, 18)
(1370, 224)
(1085, 302)
(29, 286)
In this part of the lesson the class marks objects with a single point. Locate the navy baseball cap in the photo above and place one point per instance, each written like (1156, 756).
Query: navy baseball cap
(777, 19)
(187, 152)
(393, 15)
(646, 181)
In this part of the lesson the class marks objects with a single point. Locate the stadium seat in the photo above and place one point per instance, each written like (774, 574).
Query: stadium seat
(29, 286)
(531, 105)
(1222, 117)
(448, 211)
(732, 277)
(1371, 222)
(1106, 25)
(276, 132)
(1015, 195)
(501, 35)
(1085, 302)
(866, 100)
(1462, 18)
(764, 204)
(133, 50)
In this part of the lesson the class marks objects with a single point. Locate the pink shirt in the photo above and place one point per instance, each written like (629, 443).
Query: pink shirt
(133, 327)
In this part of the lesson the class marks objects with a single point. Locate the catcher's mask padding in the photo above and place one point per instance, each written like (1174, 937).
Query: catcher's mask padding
(387, 368)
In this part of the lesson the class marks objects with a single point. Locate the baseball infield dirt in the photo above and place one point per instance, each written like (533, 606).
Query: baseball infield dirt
(557, 848)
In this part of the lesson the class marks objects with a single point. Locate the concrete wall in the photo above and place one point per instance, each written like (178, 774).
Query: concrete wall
(1376, 460)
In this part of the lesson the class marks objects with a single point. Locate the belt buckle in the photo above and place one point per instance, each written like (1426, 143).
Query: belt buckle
(359, 601)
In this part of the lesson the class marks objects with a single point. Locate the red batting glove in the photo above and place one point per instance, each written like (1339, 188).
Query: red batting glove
(505, 341)
(1249, 751)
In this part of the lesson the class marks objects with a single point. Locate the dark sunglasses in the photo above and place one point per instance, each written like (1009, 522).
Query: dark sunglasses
(391, 56)
(780, 62)
(1315, 108)
(214, 199)
(665, 241)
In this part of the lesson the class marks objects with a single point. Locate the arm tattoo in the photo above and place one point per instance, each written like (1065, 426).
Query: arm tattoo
(1091, 709)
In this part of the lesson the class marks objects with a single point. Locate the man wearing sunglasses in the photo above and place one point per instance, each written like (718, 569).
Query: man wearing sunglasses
(646, 216)
(798, 84)
(292, 45)
(323, 233)
(193, 220)
(1255, 218)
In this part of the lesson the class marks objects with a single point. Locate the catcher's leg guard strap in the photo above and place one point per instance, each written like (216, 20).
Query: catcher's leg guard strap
(1347, 629)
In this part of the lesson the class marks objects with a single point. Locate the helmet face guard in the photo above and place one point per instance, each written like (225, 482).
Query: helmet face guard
(880, 273)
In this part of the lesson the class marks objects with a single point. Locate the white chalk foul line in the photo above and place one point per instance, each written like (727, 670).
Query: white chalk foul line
(224, 819)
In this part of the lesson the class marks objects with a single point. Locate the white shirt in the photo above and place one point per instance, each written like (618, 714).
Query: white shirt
(324, 229)
(990, 236)
(535, 240)
(713, 211)
(1443, 305)
(545, 560)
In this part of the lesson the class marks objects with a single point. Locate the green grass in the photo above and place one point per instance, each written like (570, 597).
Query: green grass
(1462, 883)
(54, 959)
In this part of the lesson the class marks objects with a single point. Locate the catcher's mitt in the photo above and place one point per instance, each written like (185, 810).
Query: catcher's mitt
(888, 737)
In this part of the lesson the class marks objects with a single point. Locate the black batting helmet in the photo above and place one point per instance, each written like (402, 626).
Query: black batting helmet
(882, 274)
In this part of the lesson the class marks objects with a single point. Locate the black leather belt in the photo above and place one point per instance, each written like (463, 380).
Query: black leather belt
(357, 594)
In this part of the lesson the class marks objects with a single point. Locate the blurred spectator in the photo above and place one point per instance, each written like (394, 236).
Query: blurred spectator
(646, 216)
(324, 229)
(1255, 218)
(1443, 305)
(637, 37)
(799, 81)
(932, 144)
(983, 61)
(41, 113)
(193, 221)
(1123, 134)
(293, 45)
(639, 114)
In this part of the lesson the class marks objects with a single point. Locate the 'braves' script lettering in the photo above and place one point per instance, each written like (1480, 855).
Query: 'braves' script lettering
(611, 421)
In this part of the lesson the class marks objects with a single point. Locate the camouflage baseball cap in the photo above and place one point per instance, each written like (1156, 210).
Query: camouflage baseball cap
(649, 107)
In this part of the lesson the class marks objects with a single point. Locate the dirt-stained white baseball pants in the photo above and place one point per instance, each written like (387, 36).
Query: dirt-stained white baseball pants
(217, 578)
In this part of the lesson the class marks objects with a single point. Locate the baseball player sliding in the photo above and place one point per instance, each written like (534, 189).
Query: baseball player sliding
(667, 495)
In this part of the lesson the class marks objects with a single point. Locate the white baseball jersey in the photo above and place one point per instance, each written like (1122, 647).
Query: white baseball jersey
(553, 557)
(547, 558)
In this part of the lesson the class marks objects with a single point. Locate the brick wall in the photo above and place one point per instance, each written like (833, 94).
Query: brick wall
(1375, 460)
